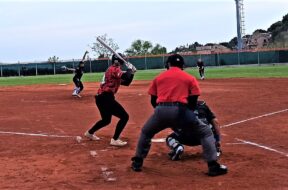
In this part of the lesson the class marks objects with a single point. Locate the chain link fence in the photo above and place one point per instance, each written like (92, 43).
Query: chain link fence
(148, 62)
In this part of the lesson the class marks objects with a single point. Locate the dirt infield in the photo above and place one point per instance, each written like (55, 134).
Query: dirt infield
(255, 149)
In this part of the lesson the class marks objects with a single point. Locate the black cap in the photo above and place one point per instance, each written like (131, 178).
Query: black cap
(116, 58)
(175, 60)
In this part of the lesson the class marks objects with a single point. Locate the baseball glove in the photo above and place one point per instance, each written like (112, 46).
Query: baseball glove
(64, 68)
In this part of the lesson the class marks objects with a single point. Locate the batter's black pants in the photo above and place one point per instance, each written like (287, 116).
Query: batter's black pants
(108, 106)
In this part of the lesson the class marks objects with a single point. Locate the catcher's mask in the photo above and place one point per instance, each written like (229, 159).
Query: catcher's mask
(175, 60)
(116, 59)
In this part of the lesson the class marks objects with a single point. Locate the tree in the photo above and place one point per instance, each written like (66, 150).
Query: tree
(259, 31)
(101, 51)
(233, 43)
(158, 49)
(275, 26)
(139, 47)
(53, 59)
(285, 19)
(187, 48)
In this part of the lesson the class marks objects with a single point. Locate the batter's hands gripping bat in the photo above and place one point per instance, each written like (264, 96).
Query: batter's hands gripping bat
(128, 65)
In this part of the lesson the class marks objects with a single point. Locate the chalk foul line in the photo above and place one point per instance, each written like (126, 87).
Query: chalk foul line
(156, 140)
(262, 146)
(35, 134)
(253, 118)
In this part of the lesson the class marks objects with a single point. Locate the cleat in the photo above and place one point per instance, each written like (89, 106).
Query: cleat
(217, 169)
(137, 164)
(176, 154)
(91, 136)
(117, 142)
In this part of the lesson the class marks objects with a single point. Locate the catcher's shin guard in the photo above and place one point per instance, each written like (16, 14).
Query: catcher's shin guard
(177, 149)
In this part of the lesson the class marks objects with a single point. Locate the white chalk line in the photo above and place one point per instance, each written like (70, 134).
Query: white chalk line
(253, 118)
(262, 146)
(234, 123)
(153, 140)
(35, 134)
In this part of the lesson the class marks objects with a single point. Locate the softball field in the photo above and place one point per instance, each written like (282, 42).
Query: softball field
(39, 149)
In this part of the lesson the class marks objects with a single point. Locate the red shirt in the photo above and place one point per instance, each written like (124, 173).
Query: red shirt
(111, 80)
(174, 85)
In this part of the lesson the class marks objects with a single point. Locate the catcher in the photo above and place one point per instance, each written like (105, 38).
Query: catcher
(106, 102)
(78, 75)
(200, 65)
(176, 139)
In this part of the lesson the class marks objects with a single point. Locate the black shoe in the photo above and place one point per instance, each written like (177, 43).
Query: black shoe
(137, 164)
(217, 169)
(176, 154)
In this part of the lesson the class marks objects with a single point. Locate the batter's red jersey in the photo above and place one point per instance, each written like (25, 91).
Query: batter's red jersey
(174, 85)
(111, 80)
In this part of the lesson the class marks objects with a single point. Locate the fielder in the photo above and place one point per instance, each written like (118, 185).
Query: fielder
(78, 75)
(106, 102)
(201, 69)
(176, 139)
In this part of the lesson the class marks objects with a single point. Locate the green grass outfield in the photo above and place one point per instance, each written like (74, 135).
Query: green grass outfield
(210, 72)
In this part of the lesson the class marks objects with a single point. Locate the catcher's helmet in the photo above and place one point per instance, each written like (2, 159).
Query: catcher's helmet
(116, 59)
(175, 60)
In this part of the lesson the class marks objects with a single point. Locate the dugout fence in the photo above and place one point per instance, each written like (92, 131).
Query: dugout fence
(149, 62)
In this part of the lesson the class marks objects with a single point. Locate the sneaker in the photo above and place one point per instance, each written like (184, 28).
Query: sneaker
(217, 169)
(176, 154)
(117, 142)
(91, 136)
(137, 164)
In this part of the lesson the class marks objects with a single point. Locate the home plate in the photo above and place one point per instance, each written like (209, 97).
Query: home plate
(158, 140)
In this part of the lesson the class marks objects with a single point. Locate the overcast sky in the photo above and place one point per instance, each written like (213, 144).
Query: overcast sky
(36, 30)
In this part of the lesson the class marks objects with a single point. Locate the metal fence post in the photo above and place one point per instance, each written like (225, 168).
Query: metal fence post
(1, 71)
(19, 73)
(145, 61)
(54, 65)
(258, 57)
(238, 57)
(90, 65)
(36, 69)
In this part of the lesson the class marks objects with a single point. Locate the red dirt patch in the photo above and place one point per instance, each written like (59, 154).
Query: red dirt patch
(33, 162)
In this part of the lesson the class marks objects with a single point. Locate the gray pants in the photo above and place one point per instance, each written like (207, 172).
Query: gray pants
(180, 119)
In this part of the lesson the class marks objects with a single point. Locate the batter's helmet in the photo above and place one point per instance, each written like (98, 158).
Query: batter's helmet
(116, 59)
(175, 60)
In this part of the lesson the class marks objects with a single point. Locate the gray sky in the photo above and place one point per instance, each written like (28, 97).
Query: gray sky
(36, 30)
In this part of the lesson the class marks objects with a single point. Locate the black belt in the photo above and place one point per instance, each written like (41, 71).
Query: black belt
(171, 104)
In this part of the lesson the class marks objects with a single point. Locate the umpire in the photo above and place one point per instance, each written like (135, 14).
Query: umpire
(174, 95)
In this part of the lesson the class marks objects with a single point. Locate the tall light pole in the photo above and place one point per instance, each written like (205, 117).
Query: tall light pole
(240, 23)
